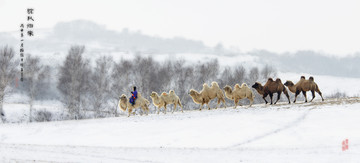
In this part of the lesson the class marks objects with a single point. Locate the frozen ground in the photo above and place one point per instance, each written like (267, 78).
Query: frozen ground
(311, 132)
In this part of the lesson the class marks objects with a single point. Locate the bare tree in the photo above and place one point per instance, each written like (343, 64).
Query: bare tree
(7, 74)
(182, 77)
(268, 71)
(239, 74)
(74, 80)
(100, 84)
(121, 78)
(206, 72)
(34, 73)
(227, 77)
(253, 75)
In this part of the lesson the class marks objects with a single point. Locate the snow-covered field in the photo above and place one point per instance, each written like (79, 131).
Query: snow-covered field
(304, 132)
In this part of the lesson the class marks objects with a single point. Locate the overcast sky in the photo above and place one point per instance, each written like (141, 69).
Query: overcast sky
(331, 26)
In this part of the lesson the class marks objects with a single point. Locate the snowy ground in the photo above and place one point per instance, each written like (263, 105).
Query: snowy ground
(311, 132)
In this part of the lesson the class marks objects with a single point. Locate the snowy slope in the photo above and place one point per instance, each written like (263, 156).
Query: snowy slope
(310, 132)
(328, 84)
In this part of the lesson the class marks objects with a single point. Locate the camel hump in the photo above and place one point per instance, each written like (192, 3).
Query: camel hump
(270, 79)
(214, 84)
(311, 78)
(164, 94)
(302, 77)
(237, 86)
(139, 94)
(171, 92)
(278, 80)
(244, 85)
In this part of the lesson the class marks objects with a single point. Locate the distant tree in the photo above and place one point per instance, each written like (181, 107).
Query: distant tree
(226, 77)
(253, 75)
(206, 72)
(182, 78)
(74, 80)
(7, 74)
(267, 72)
(121, 78)
(100, 84)
(34, 74)
(240, 74)
(145, 74)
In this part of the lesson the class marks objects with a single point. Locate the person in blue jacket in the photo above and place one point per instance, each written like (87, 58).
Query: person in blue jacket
(133, 96)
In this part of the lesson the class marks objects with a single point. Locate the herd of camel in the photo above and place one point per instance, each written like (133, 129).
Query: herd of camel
(209, 93)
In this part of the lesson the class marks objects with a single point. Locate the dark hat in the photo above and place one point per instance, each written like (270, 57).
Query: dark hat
(134, 88)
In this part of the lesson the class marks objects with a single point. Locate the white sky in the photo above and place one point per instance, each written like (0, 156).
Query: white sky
(331, 26)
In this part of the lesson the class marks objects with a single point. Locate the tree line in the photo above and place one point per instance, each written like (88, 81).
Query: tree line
(92, 91)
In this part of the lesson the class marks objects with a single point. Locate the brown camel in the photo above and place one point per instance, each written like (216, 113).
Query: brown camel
(303, 86)
(271, 87)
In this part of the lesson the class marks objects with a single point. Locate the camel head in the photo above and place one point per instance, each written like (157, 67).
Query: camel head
(288, 83)
(153, 95)
(227, 89)
(193, 92)
(257, 85)
(122, 97)
(122, 102)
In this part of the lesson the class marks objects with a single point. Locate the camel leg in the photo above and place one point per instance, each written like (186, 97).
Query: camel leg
(147, 110)
(296, 94)
(304, 93)
(130, 110)
(223, 101)
(313, 95)
(251, 101)
(174, 107)
(218, 102)
(287, 95)
(165, 109)
(318, 91)
(208, 105)
(278, 97)
(201, 106)
(236, 102)
(181, 106)
(264, 98)
(271, 96)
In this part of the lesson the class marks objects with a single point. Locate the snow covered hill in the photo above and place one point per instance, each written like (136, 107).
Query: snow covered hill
(302, 132)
